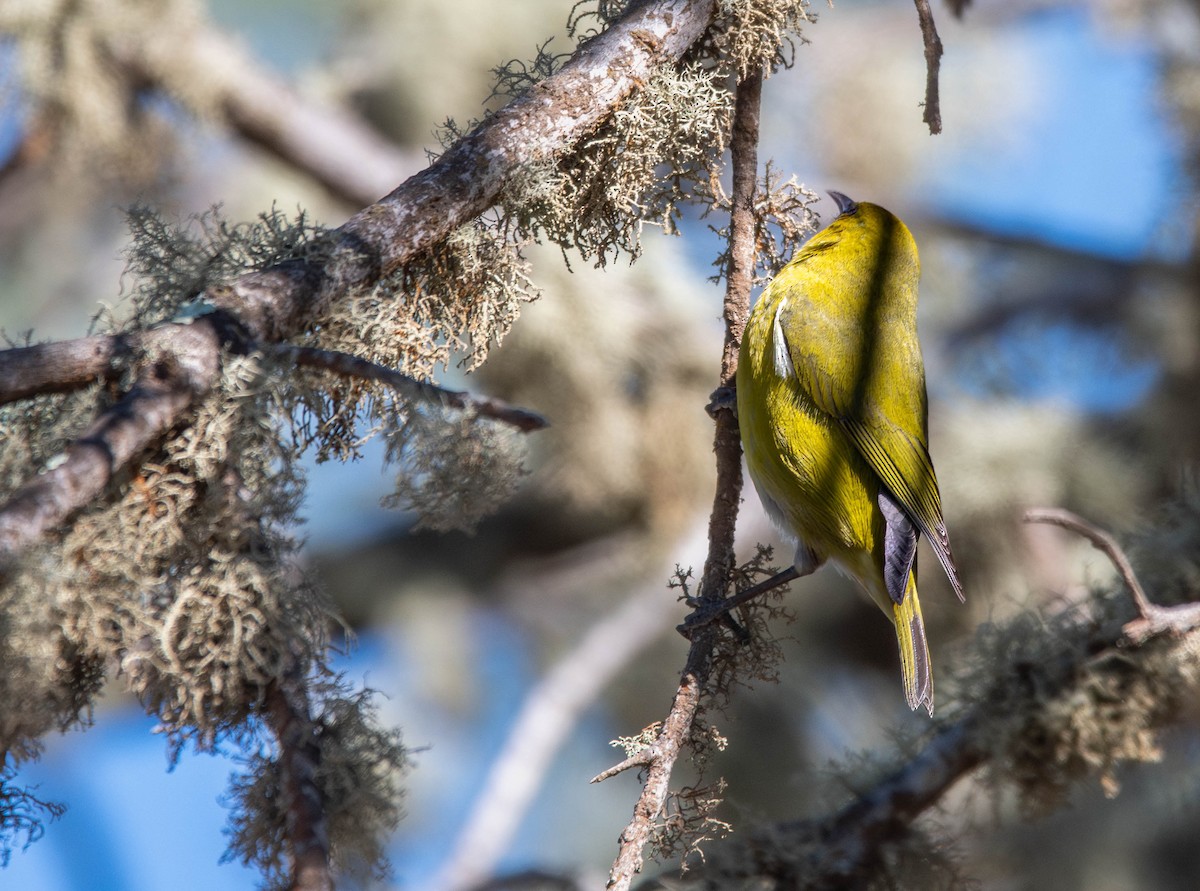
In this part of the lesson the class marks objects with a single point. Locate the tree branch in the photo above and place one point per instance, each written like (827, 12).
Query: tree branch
(933, 65)
(538, 125)
(852, 838)
(165, 388)
(273, 304)
(1100, 540)
(60, 367)
(844, 848)
(1152, 619)
(291, 721)
(66, 365)
(840, 850)
(333, 146)
(412, 389)
(719, 564)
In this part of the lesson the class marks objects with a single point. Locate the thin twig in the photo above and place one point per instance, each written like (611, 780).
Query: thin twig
(329, 143)
(1152, 620)
(410, 387)
(1100, 540)
(727, 445)
(933, 65)
(710, 612)
(638, 759)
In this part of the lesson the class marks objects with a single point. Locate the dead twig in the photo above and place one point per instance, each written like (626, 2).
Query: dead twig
(1102, 541)
(641, 759)
(354, 366)
(933, 66)
(1152, 619)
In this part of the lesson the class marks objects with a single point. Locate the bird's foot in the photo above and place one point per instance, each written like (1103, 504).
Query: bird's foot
(722, 399)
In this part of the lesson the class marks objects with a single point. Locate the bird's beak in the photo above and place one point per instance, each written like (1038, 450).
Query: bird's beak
(845, 204)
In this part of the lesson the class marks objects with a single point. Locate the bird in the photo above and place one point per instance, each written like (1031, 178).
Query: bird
(833, 415)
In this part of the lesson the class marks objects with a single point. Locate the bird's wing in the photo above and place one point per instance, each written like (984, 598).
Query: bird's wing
(878, 399)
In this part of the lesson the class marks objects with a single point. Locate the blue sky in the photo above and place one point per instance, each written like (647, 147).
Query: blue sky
(131, 825)
(1096, 167)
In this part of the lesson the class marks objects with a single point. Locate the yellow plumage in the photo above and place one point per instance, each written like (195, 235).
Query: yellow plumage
(833, 416)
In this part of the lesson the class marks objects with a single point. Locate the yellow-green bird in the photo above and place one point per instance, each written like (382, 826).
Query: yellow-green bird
(834, 420)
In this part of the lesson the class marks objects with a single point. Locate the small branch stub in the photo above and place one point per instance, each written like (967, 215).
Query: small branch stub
(933, 65)
(641, 759)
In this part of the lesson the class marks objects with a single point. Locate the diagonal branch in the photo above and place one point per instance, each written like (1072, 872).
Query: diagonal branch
(409, 387)
(852, 838)
(540, 124)
(333, 146)
(274, 304)
(843, 849)
(719, 564)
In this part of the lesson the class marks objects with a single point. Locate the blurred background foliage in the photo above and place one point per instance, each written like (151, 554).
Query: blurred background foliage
(1060, 318)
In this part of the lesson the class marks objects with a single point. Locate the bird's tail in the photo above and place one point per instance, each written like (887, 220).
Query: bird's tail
(914, 651)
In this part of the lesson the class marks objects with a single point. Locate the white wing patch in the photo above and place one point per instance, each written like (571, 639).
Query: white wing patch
(783, 360)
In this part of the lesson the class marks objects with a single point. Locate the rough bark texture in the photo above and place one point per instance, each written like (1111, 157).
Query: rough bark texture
(541, 124)
(274, 304)
(164, 389)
